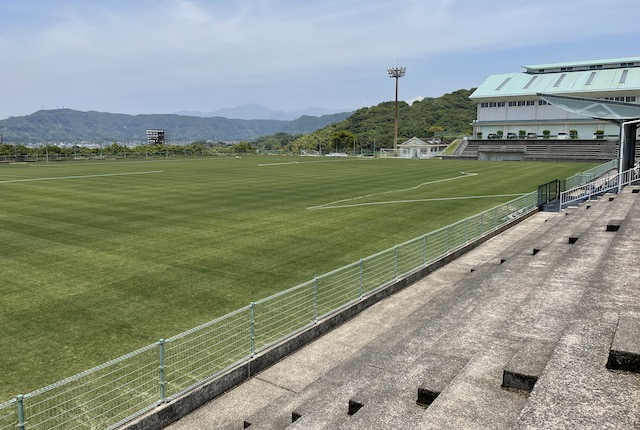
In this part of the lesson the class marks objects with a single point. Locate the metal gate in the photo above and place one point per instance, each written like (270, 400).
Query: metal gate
(549, 192)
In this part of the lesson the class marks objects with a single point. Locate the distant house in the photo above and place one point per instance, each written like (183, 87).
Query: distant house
(421, 148)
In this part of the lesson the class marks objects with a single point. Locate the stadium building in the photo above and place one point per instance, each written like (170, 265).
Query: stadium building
(510, 104)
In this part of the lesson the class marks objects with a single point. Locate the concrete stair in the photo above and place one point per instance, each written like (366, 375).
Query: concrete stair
(625, 349)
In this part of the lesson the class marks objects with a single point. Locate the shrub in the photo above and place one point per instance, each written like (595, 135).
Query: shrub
(573, 134)
(546, 134)
(522, 133)
(500, 133)
(599, 134)
(479, 135)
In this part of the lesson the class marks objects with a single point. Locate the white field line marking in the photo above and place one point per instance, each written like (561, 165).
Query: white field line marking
(414, 201)
(335, 204)
(299, 162)
(80, 177)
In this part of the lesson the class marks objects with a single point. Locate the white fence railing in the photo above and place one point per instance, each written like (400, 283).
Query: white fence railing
(609, 181)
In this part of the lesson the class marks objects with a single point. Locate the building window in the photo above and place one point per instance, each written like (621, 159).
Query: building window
(590, 78)
(500, 104)
(542, 103)
(616, 99)
(631, 99)
(511, 104)
(531, 102)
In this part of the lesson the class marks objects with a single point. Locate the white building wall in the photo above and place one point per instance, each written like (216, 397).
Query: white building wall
(535, 113)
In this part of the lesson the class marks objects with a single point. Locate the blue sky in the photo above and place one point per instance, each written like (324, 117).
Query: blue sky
(165, 56)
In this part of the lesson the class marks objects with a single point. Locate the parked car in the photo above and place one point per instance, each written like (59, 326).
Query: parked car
(492, 136)
(563, 135)
(512, 136)
(532, 136)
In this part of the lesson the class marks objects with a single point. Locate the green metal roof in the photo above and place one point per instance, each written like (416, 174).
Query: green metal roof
(608, 62)
(594, 83)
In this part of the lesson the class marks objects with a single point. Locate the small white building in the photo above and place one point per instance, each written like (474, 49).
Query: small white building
(510, 102)
(421, 148)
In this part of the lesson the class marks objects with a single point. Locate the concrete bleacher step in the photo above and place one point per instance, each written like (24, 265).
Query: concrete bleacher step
(442, 373)
(531, 241)
(625, 349)
(526, 366)
(545, 313)
(614, 224)
(557, 228)
(393, 395)
(278, 414)
(332, 408)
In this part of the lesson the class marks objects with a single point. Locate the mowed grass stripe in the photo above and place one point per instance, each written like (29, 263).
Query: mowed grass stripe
(95, 268)
(56, 178)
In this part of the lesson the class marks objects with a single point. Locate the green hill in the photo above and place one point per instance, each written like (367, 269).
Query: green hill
(71, 126)
(448, 115)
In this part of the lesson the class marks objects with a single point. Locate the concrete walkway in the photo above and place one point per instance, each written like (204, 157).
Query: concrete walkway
(525, 309)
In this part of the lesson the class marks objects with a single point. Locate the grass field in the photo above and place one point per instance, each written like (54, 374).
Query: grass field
(100, 258)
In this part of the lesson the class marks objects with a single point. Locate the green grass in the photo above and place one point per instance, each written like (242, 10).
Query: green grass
(101, 258)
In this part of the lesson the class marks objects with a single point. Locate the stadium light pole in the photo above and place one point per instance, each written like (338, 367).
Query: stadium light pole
(397, 73)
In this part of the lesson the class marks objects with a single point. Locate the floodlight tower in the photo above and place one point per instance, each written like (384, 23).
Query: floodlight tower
(397, 73)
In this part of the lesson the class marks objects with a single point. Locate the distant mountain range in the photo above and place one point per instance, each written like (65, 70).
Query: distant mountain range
(70, 126)
(256, 111)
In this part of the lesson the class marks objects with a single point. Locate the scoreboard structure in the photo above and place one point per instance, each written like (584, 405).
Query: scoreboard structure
(157, 136)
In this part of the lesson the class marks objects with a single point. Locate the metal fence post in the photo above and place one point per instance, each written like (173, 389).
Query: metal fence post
(315, 299)
(424, 249)
(21, 422)
(253, 328)
(163, 397)
(446, 240)
(361, 270)
(395, 261)
(466, 230)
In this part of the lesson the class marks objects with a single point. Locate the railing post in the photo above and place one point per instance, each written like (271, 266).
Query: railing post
(446, 242)
(315, 299)
(361, 271)
(395, 261)
(20, 402)
(466, 230)
(424, 249)
(253, 328)
(163, 397)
